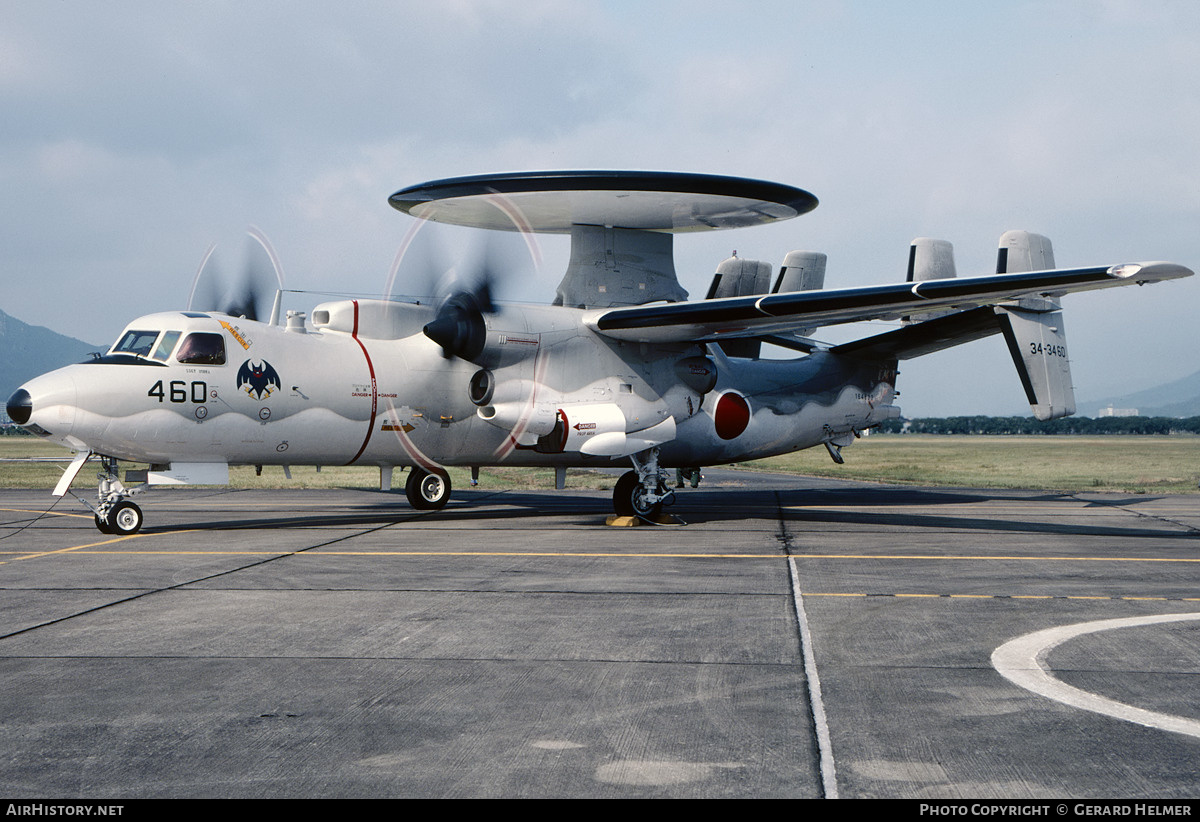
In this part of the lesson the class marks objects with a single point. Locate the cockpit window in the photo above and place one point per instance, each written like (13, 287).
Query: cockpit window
(165, 344)
(138, 343)
(202, 349)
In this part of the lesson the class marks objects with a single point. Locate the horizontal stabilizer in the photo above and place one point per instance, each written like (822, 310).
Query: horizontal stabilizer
(755, 316)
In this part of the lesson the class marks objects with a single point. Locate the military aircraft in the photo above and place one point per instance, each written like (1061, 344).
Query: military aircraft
(621, 369)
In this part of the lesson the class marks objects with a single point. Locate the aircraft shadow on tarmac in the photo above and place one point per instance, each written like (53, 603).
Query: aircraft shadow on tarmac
(1013, 521)
(710, 506)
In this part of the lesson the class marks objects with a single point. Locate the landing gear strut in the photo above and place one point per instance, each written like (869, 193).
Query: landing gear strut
(114, 513)
(642, 492)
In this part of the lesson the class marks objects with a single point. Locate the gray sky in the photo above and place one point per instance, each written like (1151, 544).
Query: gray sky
(135, 134)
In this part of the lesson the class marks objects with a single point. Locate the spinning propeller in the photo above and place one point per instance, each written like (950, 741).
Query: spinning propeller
(251, 295)
(459, 326)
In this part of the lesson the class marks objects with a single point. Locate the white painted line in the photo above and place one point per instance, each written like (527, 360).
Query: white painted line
(824, 746)
(1022, 662)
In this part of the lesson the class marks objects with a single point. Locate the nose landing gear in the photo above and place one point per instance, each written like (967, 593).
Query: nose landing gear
(114, 513)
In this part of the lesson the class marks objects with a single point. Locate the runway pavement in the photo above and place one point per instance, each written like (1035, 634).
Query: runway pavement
(797, 638)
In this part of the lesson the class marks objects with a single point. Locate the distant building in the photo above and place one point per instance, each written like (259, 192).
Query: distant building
(1118, 412)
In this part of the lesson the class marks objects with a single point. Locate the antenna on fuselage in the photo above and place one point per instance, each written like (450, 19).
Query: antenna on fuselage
(276, 307)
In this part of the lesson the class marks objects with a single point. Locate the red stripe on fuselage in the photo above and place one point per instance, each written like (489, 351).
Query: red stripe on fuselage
(374, 389)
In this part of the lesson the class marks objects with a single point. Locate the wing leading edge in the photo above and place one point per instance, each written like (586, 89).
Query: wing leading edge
(757, 316)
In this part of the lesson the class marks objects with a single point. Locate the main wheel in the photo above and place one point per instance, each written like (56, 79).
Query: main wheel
(629, 498)
(102, 525)
(426, 491)
(124, 518)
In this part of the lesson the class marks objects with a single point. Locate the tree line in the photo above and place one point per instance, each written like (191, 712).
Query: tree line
(1029, 425)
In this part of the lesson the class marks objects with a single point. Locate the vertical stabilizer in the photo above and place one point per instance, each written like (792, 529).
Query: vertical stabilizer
(1038, 344)
(930, 260)
(1022, 251)
(801, 271)
(736, 277)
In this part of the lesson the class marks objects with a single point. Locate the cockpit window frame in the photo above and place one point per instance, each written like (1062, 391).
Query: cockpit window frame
(165, 345)
(214, 354)
(125, 343)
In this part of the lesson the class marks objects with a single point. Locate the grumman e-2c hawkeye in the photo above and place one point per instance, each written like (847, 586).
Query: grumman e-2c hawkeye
(621, 369)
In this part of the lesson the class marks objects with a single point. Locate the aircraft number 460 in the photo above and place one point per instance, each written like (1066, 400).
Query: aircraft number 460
(178, 391)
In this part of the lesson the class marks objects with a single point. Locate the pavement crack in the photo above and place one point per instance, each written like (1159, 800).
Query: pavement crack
(255, 564)
(1142, 514)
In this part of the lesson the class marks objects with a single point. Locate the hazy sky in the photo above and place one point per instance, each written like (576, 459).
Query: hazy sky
(134, 134)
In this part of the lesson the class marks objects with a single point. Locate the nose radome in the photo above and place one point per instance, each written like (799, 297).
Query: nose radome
(20, 406)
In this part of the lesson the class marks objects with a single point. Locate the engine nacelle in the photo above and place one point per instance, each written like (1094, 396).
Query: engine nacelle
(373, 319)
(525, 421)
(513, 405)
(583, 425)
(598, 429)
(503, 348)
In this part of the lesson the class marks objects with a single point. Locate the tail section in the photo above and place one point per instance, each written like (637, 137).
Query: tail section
(737, 277)
(1034, 330)
(1038, 344)
(1032, 327)
(930, 259)
(1022, 251)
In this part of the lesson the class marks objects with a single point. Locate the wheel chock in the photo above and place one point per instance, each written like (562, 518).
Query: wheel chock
(618, 521)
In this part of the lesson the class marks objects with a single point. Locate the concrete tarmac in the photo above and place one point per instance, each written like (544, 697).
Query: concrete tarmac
(797, 638)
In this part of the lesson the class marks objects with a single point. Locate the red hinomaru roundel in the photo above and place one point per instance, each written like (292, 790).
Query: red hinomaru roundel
(731, 416)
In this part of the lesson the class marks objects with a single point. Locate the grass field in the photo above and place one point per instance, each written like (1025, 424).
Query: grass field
(1118, 463)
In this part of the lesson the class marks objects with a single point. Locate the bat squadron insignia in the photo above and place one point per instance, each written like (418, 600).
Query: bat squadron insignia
(258, 379)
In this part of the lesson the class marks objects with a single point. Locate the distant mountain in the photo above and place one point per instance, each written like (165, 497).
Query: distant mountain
(29, 350)
(1180, 398)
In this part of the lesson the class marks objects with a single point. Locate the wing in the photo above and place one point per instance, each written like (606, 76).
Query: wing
(757, 316)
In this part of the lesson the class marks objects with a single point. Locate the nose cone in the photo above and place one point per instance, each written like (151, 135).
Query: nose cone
(46, 405)
(20, 406)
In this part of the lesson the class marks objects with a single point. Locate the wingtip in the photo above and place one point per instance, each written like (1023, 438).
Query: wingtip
(1150, 272)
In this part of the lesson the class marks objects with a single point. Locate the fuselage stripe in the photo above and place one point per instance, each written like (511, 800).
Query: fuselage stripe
(374, 387)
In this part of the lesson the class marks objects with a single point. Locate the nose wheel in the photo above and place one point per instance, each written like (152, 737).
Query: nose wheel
(123, 518)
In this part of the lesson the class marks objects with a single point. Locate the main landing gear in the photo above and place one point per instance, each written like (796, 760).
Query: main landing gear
(642, 492)
(427, 491)
(114, 513)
